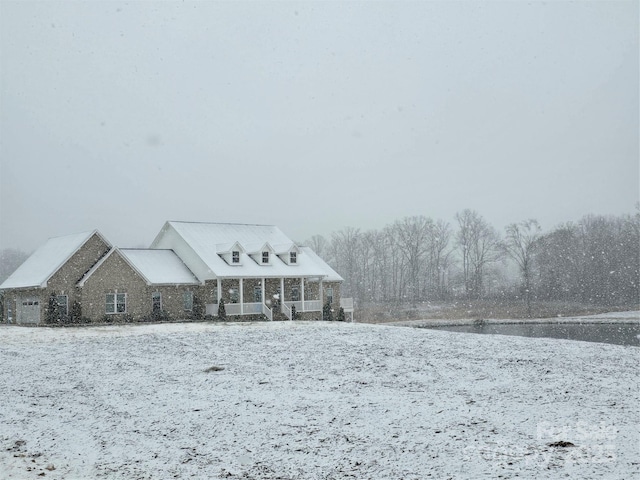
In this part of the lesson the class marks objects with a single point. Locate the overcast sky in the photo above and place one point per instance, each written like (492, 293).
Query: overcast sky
(312, 116)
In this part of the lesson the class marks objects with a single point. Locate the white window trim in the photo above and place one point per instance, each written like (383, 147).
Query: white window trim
(115, 303)
(66, 301)
(153, 296)
(190, 293)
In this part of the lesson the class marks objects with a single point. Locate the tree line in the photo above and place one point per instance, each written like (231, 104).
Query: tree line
(594, 261)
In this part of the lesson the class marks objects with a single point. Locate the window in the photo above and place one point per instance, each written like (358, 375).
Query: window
(63, 304)
(116, 303)
(187, 301)
(295, 294)
(265, 257)
(235, 256)
(293, 257)
(234, 293)
(257, 294)
(330, 295)
(156, 302)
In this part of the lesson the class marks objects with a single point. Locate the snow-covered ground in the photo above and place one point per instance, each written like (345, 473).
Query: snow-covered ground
(306, 400)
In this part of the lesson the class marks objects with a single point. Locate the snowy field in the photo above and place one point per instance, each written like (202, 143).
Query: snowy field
(313, 401)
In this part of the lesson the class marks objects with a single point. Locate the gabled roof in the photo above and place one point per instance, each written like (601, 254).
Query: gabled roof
(199, 243)
(283, 248)
(155, 267)
(229, 247)
(159, 267)
(47, 260)
(258, 247)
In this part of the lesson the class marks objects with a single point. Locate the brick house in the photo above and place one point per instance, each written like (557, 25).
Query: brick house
(257, 271)
(54, 268)
(138, 284)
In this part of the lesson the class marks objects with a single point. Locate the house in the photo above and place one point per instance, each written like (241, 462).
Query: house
(53, 269)
(256, 270)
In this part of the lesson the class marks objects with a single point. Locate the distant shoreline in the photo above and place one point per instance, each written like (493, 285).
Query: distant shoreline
(605, 318)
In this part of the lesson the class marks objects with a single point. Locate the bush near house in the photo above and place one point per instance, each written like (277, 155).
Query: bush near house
(76, 313)
(198, 309)
(222, 312)
(327, 313)
(158, 316)
(52, 312)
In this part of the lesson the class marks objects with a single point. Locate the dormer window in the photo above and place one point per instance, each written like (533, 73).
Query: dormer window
(293, 257)
(235, 256)
(265, 257)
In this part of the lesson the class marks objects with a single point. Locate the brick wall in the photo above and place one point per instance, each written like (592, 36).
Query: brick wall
(115, 275)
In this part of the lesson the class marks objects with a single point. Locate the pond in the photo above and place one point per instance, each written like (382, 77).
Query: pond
(618, 334)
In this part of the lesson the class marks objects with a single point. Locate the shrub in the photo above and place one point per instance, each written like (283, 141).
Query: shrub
(341, 315)
(52, 310)
(76, 313)
(117, 318)
(222, 312)
(157, 316)
(198, 311)
(327, 313)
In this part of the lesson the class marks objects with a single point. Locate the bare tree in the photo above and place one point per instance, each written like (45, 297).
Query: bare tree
(10, 260)
(318, 244)
(345, 245)
(413, 238)
(522, 240)
(439, 257)
(479, 246)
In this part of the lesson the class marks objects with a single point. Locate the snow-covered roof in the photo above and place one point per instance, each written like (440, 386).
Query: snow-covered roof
(159, 267)
(156, 267)
(47, 260)
(258, 247)
(228, 247)
(204, 240)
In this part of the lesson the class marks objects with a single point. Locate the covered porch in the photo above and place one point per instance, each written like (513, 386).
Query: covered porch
(275, 298)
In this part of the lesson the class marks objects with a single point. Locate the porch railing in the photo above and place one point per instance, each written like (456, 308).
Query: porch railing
(232, 308)
(312, 306)
(347, 304)
(296, 304)
(266, 311)
(258, 308)
(286, 310)
(254, 308)
(306, 306)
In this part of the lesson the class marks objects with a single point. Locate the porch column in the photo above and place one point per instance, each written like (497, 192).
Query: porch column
(219, 291)
(241, 297)
(320, 293)
(263, 292)
(302, 292)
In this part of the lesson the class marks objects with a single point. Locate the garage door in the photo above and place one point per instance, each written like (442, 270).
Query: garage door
(28, 310)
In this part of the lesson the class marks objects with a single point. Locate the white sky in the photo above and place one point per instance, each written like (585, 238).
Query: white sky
(312, 116)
